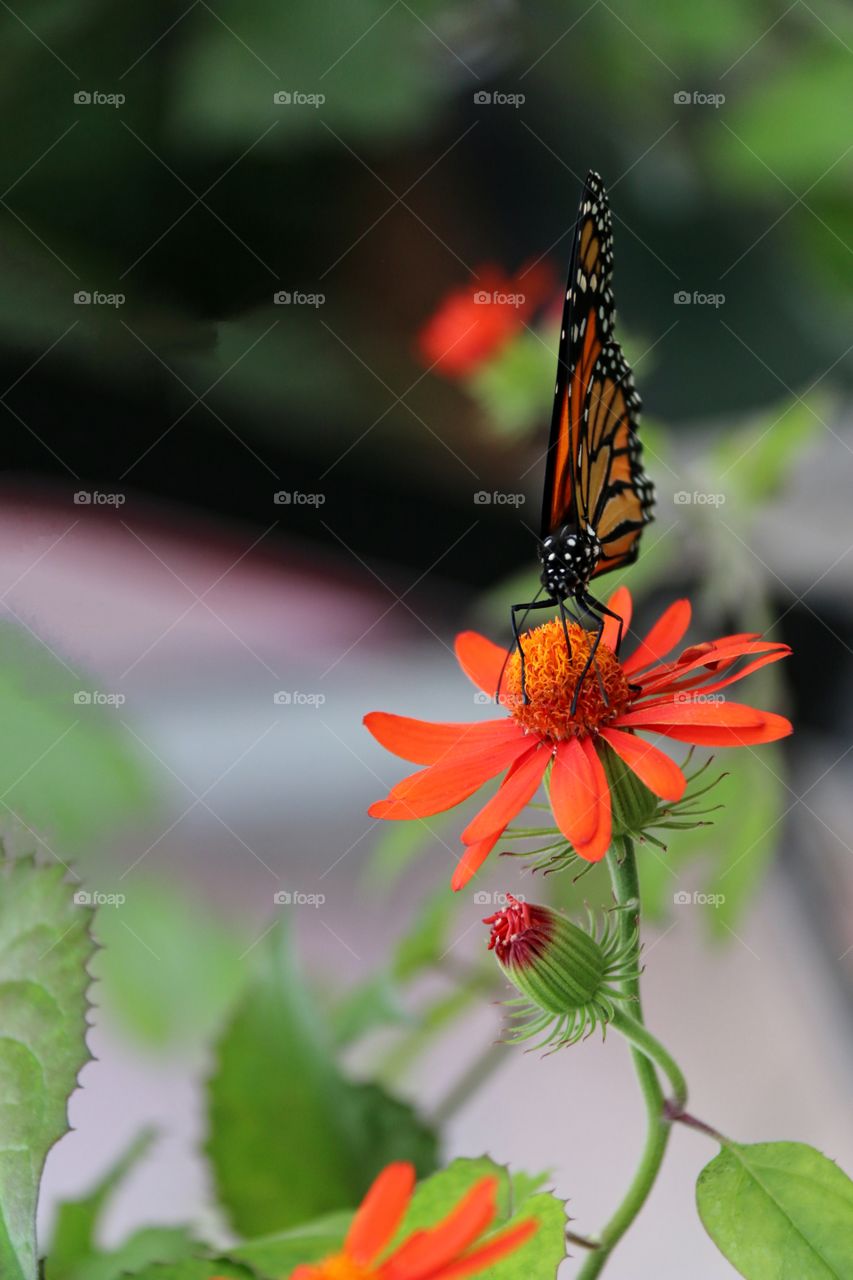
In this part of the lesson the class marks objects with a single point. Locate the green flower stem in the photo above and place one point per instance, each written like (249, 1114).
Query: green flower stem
(643, 1040)
(626, 890)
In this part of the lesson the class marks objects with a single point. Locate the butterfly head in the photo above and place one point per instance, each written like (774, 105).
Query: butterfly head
(569, 557)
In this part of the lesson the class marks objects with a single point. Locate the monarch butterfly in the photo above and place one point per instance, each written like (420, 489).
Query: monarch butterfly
(597, 497)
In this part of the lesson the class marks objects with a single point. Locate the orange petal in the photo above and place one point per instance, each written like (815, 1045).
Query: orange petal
(444, 785)
(708, 658)
(488, 1254)
(669, 629)
(700, 682)
(427, 1252)
(652, 766)
(580, 798)
(513, 794)
(380, 1213)
(424, 742)
(481, 660)
(472, 859)
(691, 710)
(770, 728)
(620, 602)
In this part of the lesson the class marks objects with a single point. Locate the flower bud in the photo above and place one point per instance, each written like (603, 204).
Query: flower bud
(568, 977)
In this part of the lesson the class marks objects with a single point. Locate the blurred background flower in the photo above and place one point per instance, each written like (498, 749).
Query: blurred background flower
(250, 493)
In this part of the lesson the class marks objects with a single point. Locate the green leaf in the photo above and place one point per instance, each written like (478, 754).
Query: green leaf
(66, 767)
(45, 947)
(77, 1220)
(147, 1246)
(425, 942)
(513, 387)
(539, 1258)
(291, 1137)
(758, 459)
(278, 1254)
(195, 1269)
(778, 1210)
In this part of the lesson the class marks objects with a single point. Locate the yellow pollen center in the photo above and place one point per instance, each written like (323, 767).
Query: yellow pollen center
(550, 679)
(341, 1267)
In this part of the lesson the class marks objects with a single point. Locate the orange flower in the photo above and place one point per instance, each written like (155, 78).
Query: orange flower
(443, 1252)
(679, 699)
(472, 324)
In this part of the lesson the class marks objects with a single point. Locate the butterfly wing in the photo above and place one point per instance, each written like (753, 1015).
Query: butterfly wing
(615, 495)
(594, 474)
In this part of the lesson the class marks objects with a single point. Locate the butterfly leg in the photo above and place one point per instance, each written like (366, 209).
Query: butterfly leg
(589, 661)
(528, 607)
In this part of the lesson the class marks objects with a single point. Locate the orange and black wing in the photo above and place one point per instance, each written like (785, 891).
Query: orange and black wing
(594, 476)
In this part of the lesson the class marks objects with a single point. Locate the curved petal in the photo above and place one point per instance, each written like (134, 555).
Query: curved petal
(425, 742)
(711, 658)
(472, 859)
(380, 1213)
(620, 602)
(651, 765)
(515, 791)
(498, 1247)
(667, 632)
(426, 1252)
(654, 697)
(444, 785)
(691, 710)
(482, 660)
(769, 729)
(580, 798)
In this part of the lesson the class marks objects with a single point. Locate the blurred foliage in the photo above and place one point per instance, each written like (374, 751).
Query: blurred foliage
(291, 1137)
(185, 995)
(67, 770)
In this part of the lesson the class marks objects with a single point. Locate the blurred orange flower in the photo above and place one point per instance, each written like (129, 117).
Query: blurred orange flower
(443, 1252)
(472, 324)
(679, 699)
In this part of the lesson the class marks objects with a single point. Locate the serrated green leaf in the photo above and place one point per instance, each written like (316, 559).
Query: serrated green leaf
(778, 1210)
(539, 1258)
(291, 1137)
(45, 947)
(76, 1224)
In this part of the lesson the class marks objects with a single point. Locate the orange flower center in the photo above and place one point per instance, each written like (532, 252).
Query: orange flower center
(551, 675)
(341, 1267)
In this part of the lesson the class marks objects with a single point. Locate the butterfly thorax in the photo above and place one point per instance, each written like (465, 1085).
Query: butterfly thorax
(569, 557)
